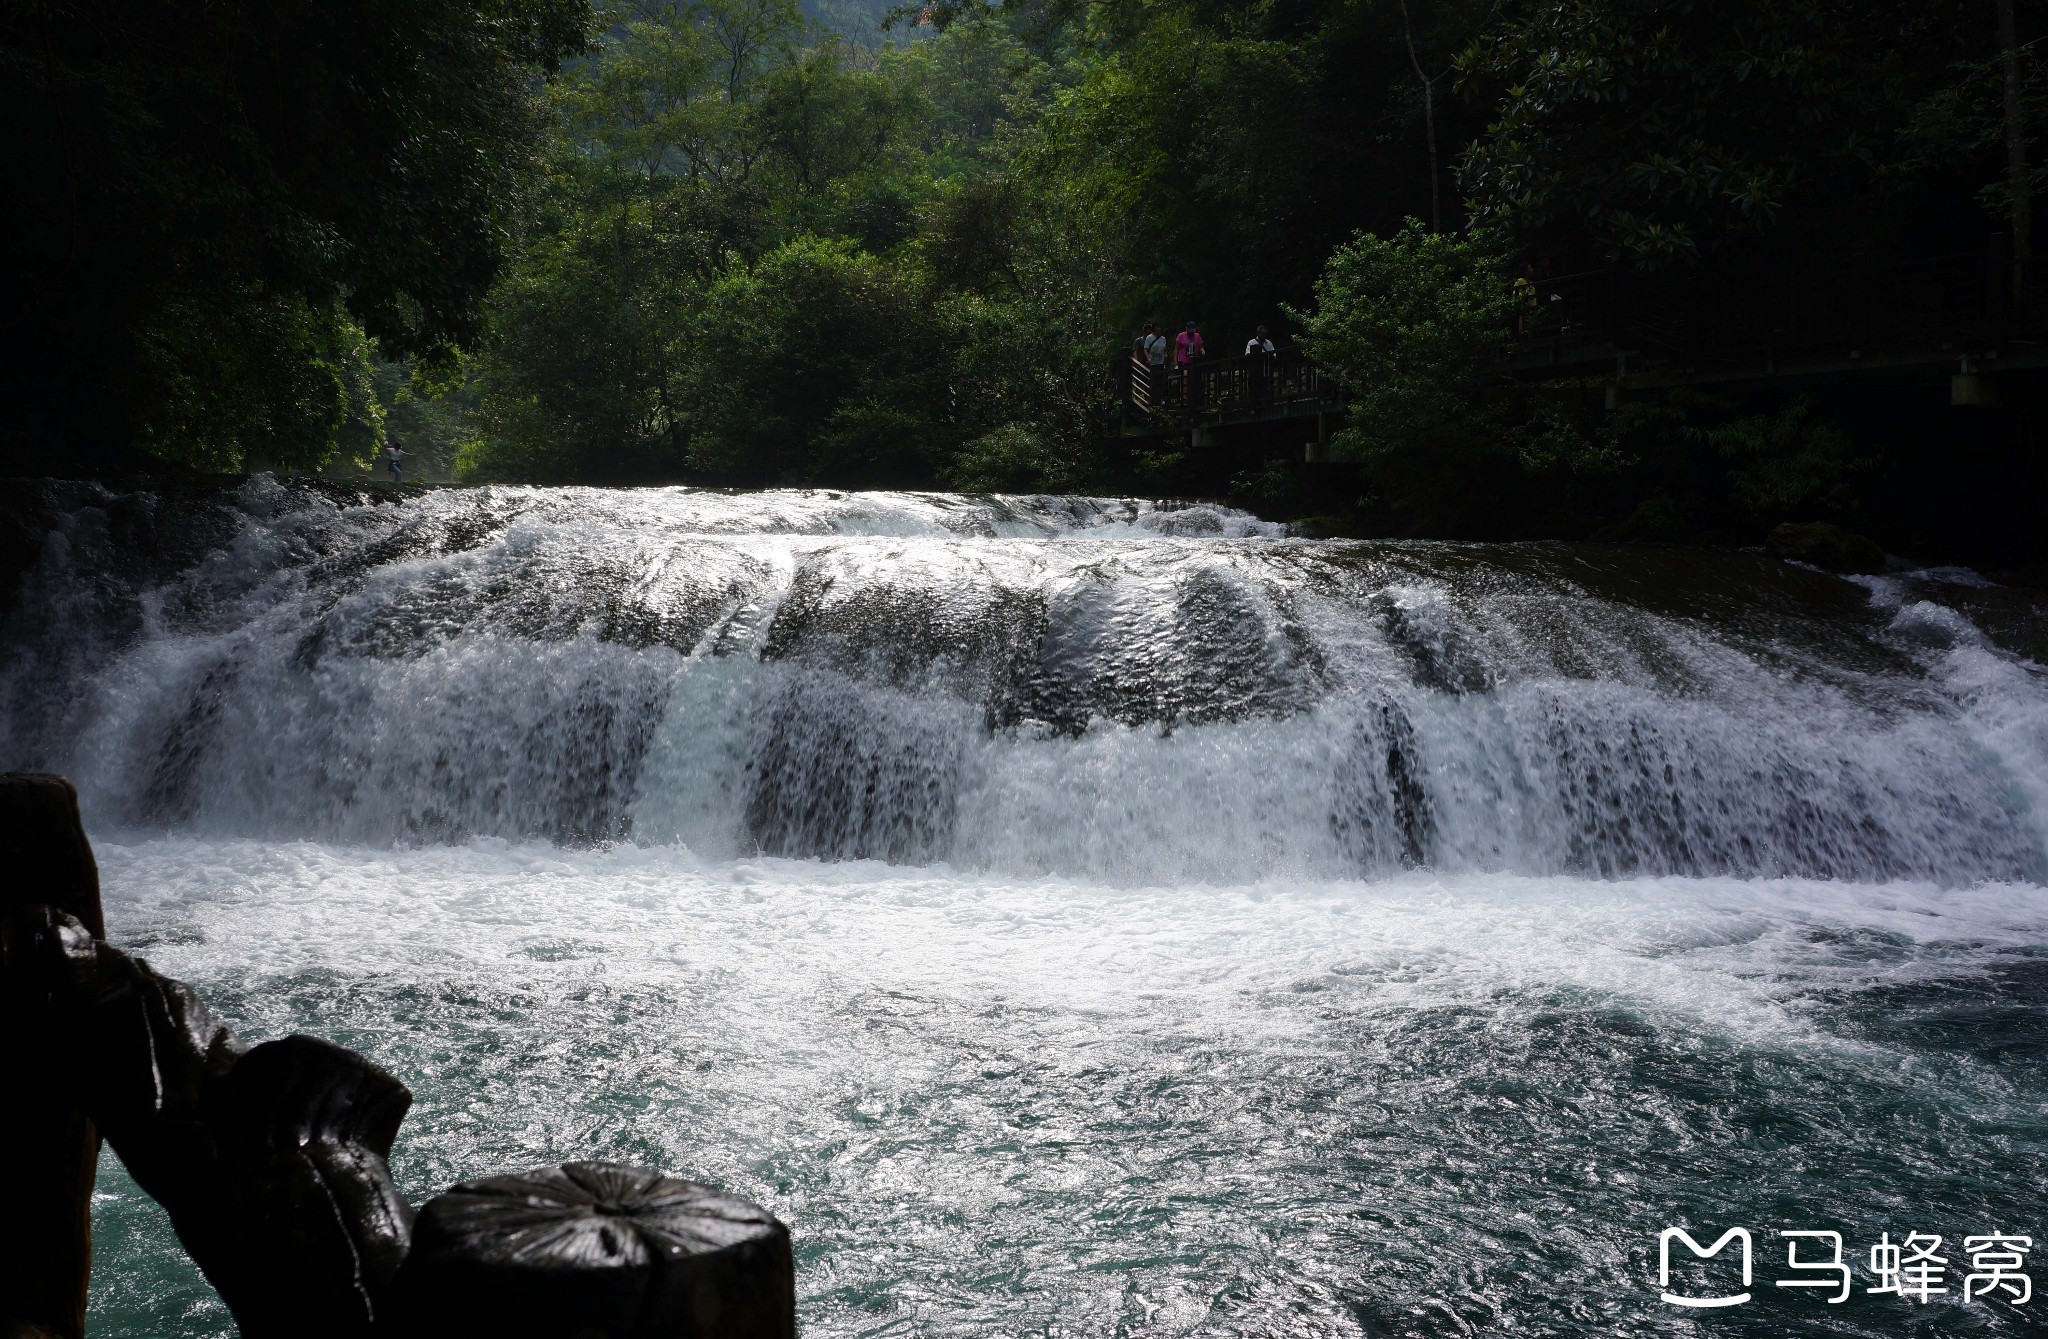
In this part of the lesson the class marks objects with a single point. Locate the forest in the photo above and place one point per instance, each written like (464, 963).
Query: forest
(744, 242)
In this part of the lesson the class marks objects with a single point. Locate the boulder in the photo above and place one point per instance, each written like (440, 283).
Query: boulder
(1320, 527)
(1828, 547)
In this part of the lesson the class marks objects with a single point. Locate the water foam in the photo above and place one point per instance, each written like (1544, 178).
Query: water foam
(1075, 686)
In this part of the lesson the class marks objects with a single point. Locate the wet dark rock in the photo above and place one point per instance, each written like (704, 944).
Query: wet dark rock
(1439, 653)
(596, 1251)
(842, 774)
(1381, 815)
(1825, 546)
(1233, 648)
(1323, 527)
(974, 638)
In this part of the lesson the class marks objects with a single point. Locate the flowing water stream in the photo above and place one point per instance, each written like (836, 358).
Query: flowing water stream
(1085, 917)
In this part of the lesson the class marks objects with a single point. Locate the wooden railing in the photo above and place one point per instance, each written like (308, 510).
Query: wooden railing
(1613, 322)
(1211, 386)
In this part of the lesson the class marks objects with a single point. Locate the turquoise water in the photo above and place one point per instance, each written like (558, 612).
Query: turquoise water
(1087, 916)
(1416, 1106)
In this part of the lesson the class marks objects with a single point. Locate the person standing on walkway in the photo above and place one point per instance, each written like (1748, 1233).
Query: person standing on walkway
(1187, 351)
(1258, 352)
(1525, 299)
(1154, 347)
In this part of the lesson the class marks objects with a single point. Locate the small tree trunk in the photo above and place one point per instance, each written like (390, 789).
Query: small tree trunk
(1436, 203)
(46, 1242)
(2016, 146)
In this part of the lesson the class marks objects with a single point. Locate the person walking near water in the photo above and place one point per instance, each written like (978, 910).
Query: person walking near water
(393, 455)
(1187, 351)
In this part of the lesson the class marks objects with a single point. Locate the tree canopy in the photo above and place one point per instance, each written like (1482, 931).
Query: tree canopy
(755, 241)
(212, 206)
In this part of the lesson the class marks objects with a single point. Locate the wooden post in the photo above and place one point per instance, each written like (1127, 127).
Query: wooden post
(270, 1161)
(598, 1251)
(52, 1147)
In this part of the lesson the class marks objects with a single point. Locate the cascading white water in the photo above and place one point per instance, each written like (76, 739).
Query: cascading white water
(1082, 916)
(1022, 685)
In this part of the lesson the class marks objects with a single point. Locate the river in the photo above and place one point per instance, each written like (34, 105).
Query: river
(1079, 916)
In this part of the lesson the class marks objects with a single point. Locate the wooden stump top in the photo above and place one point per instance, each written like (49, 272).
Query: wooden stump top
(599, 1250)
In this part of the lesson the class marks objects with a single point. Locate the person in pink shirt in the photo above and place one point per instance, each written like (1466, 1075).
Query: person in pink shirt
(1187, 350)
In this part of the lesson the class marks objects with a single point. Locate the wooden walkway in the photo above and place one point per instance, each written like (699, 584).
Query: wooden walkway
(1966, 316)
(1225, 393)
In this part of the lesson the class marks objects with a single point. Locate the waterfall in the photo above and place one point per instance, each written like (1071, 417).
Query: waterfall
(1107, 689)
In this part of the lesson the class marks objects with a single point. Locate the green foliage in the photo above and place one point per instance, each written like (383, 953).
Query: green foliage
(978, 86)
(425, 411)
(593, 323)
(727, 242)
(1271, 488)
(819, 362)
(1410, 324)
(287, 388)
(1659, 130)
(195, 192)
(1017, 458)
(1960, 125)
(1034, 342)
(1789, 460)
(1416, 327)
(763, 256)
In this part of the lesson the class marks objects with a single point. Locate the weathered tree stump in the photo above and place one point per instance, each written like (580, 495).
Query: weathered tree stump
(52, 1146)
(596, 1251)
(270, 1161)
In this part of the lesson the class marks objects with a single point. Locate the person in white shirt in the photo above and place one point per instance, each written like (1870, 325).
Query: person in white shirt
(1153, 345)
(392, 456)
(1259, 375)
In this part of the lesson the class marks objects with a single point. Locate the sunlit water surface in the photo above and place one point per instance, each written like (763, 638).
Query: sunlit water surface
(1086, 916)
(986, 1107)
